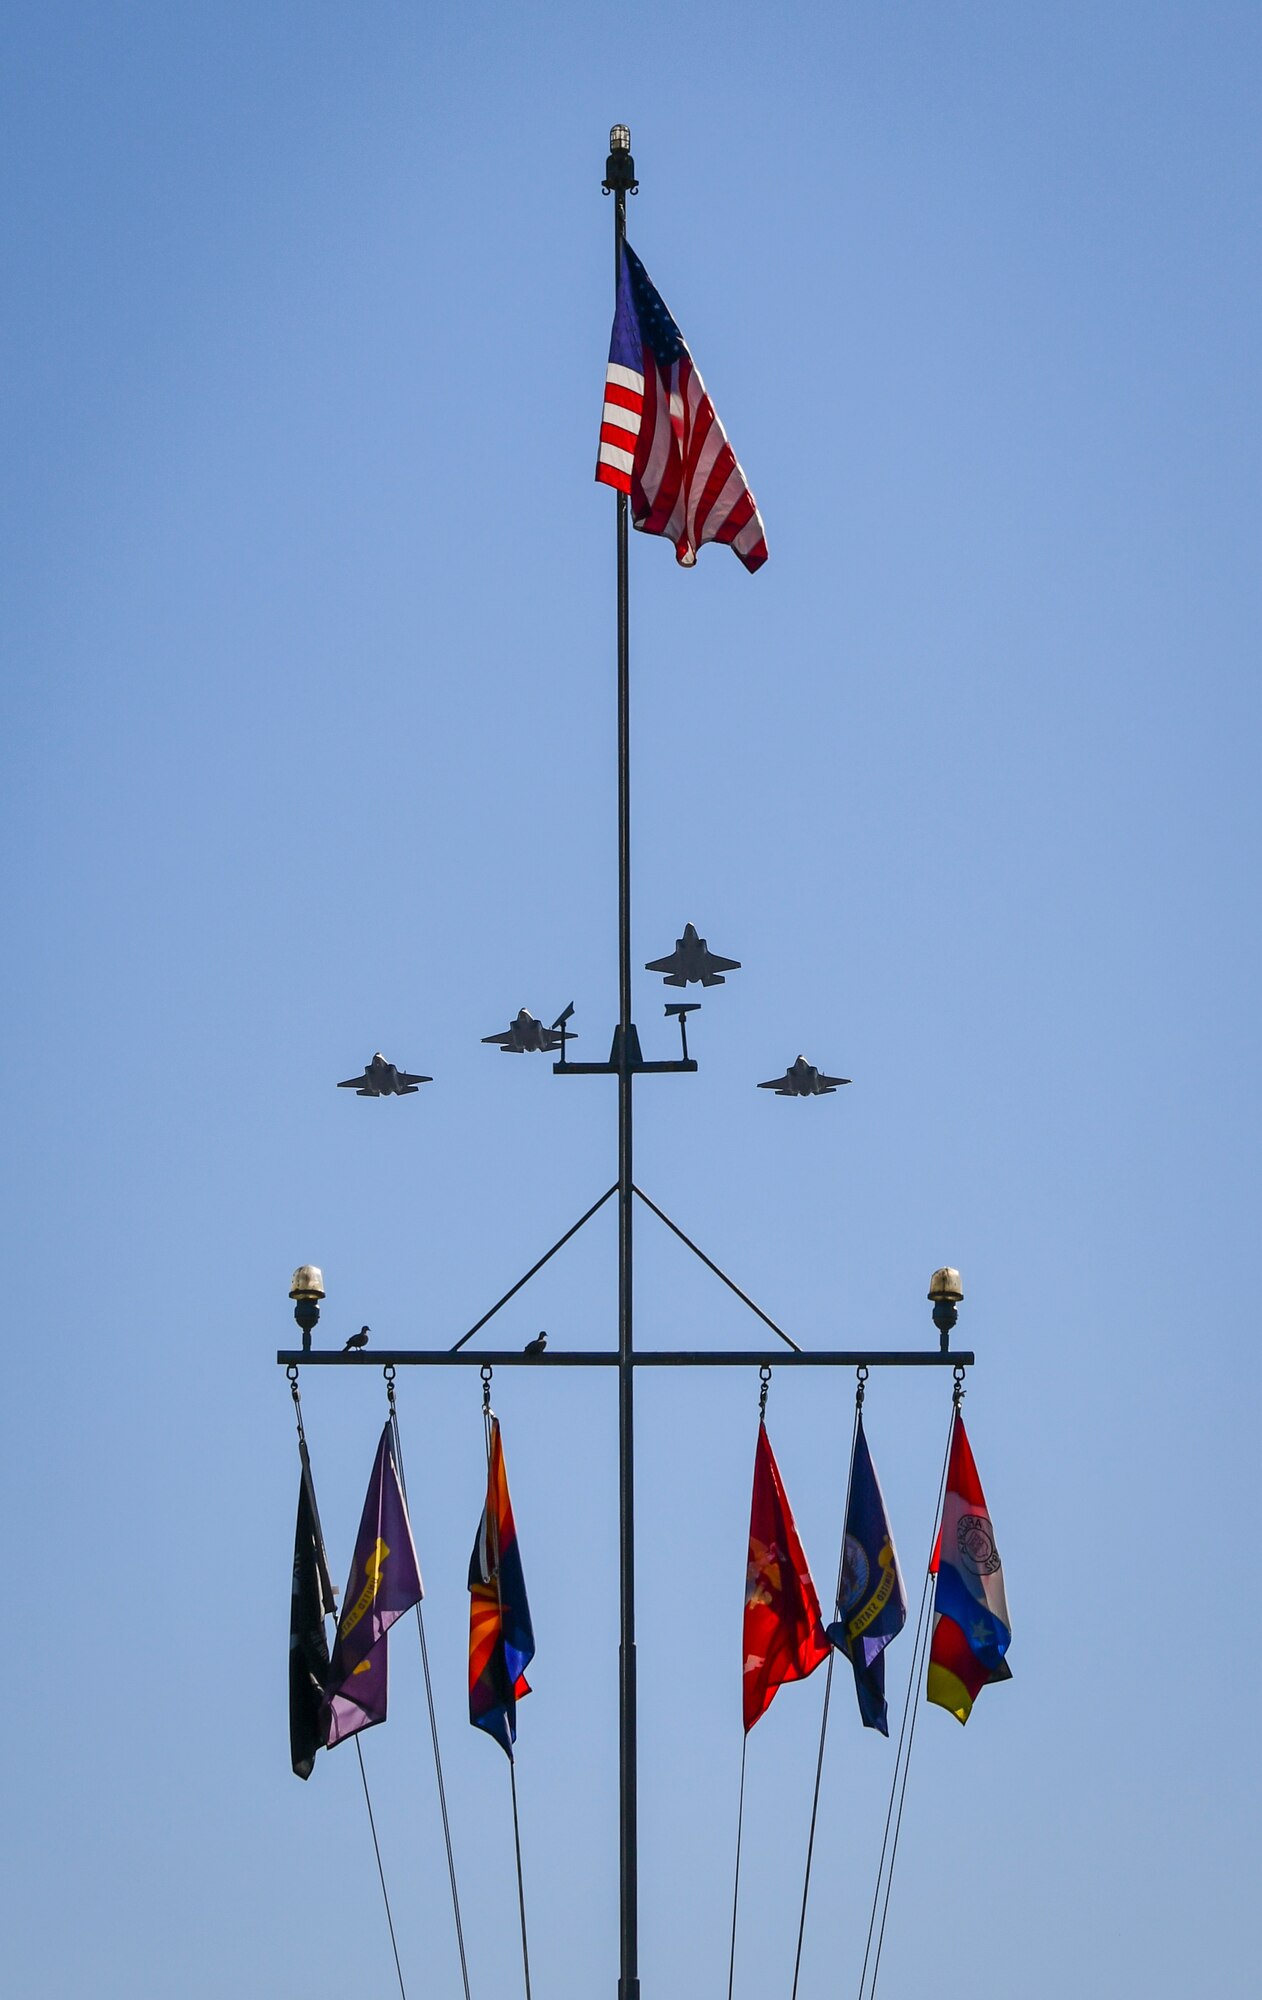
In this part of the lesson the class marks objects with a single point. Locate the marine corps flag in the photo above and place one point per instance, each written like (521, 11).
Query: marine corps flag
(872, 1603)
(312, 1602)
(971, 1632)
(501, 1637)
(784, 1636)
(385, 1582)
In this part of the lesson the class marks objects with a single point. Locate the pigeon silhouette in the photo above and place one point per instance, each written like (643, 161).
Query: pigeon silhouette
(357, 1340)
(537, 1345)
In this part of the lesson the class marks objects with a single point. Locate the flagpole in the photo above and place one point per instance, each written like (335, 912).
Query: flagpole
(619, 176)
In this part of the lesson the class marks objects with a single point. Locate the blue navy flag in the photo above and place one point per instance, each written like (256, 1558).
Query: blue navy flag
(872, 1606)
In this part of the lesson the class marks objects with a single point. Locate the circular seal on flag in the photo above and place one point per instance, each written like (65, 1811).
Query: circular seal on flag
(854, 1573)
(976, 1543)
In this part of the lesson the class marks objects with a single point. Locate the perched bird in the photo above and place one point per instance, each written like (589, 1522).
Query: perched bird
(358, 1340)
(537, 1345)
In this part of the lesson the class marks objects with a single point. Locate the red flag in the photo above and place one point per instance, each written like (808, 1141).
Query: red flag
(784, 1634)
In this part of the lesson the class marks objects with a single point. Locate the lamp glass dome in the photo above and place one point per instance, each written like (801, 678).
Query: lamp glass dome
(945, 1284)
(620, 139)
(308, 1282)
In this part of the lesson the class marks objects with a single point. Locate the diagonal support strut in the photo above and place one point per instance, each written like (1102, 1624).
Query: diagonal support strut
(525, 1280)
(712, 1266)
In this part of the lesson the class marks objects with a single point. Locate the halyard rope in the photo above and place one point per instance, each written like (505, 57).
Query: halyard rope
(429, 1700)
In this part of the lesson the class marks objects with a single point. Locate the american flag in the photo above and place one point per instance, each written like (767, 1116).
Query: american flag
(661, 441)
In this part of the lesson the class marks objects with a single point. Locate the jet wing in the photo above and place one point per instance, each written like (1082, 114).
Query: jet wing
(668, 965)
(358, 1083)
(780, 1084)
(411, 1082)
(717, 964)
(832, 1082)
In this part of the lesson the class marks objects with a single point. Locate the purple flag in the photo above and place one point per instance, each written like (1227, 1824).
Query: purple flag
(385, 1581)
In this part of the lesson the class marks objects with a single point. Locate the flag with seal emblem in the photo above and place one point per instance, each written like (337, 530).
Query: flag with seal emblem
(971, 1629)
(661, 441)
(872, 1603)
(783, 1632)
(501, 1636)
(385, 1581)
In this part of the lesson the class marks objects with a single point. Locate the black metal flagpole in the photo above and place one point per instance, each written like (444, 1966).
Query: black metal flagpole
(619, 176)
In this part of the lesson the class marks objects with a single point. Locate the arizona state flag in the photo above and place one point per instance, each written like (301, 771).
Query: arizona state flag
(784, 1635)
(971, 1631)
(501, 1637)
(312, 1602)
(872, 1603)
(385, 1581)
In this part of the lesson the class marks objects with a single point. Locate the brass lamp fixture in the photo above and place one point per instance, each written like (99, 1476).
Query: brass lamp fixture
(307, 1290)
(947, 1293)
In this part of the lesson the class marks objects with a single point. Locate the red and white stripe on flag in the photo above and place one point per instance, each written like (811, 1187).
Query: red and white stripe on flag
(662, 443)
(620, 426)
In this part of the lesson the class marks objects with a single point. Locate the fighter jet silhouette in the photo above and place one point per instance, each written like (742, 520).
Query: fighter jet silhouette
(382, 1079)
(692, 961)
(802, 1079)
(526, 1036)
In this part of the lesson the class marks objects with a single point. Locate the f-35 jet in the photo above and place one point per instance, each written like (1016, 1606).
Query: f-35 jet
(692, 962)
(802, 1079)
(382, 1079)
(525, 1036)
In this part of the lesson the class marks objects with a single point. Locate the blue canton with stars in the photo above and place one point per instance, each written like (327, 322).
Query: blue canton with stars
(642, 320)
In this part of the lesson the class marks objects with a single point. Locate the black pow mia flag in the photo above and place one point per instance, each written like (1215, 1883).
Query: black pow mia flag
(313, 1600)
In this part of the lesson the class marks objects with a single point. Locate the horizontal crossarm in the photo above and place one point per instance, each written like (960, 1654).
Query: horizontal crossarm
(440, 1357)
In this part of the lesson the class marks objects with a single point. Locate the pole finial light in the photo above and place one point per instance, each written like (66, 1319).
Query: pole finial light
(620, 167)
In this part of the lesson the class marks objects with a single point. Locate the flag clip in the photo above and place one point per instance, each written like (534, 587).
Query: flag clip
(764, 1377)
(959, 1392)
(860, 1379)
(486, 1371)
(292, 1376)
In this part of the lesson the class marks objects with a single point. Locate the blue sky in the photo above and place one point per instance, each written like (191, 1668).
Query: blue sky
(308, 750)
